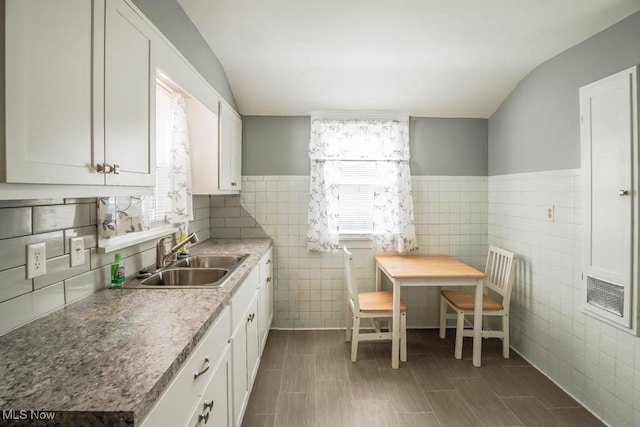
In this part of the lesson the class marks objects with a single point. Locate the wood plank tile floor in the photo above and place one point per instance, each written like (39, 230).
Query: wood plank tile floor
(306, 378)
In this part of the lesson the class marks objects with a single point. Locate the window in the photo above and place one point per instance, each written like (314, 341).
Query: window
(159, 205)
(360, 184)
(355, 200)
(171, 200)
(121, 217)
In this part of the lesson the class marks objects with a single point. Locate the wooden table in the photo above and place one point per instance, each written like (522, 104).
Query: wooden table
(429, 270)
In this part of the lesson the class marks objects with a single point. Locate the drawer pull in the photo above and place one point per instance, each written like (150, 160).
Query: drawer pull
(204, 417)
(251, 317)
(203, 370)
(268, 279)
(268, 262)
(208, 405)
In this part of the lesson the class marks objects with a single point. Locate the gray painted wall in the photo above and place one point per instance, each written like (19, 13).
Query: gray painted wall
(279, 146)
(537, 127)
(174, 23)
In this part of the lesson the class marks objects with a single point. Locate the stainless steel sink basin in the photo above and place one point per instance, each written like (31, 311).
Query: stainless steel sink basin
(210, 277)
(211, 261)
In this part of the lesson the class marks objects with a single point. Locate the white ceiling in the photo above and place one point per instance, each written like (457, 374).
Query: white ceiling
(431, 58)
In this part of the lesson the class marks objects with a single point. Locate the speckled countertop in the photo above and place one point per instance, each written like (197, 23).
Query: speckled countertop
(106, 359)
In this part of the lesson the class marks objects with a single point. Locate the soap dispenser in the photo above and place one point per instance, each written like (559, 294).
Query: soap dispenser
(117, 271)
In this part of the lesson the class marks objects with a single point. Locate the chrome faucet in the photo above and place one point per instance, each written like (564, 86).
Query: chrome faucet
(162, 257)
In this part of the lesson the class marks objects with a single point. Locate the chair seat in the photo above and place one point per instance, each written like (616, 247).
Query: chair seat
(372, 302)
(465, 300)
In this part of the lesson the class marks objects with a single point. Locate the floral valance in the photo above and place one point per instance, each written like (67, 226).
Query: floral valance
(359, 139)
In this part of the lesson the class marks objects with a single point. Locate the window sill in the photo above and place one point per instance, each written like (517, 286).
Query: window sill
(119, 242)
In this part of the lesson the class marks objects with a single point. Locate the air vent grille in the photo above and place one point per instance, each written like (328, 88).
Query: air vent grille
(605, 295)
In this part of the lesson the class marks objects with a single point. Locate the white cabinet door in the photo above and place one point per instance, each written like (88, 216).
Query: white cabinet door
(246, 360)
(253, 342)
(213, 408)
(129, 97)
(609, 133)
(204, 147)
(240, 377)
(266, 297)
(230, 149)
(54, 79)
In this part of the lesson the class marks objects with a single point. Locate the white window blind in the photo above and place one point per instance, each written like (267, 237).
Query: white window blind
(159, 204)
(356, 191)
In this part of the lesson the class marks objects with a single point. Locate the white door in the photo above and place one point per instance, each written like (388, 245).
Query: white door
(129, 97)
(609, 140)
(53, 83)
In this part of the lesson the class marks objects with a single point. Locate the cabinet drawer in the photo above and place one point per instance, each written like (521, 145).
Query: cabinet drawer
(213, 408)
(182, 395)
(242, 298)
(266, 265)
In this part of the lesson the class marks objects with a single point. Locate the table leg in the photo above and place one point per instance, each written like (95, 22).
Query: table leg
(378, 279)
(477, 324)
(395, 334)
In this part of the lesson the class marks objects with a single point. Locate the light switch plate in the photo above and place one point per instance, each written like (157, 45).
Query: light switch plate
(76, 251)
(36, 259)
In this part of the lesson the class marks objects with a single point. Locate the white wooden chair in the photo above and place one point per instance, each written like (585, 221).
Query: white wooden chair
(499, 280)
(374, 306)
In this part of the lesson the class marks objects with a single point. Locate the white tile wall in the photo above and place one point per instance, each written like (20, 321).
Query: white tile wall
(597, 363)
(450, 215)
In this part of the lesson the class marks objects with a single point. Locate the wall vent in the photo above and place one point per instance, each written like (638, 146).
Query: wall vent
(605, 295)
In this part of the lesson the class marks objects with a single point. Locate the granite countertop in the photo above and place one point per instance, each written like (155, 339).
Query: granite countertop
(106, 359)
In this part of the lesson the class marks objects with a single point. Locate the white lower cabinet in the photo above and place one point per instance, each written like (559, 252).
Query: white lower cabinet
(266, 297)
(184, 395)
(214, 384)
(215, 406)
(244, 343)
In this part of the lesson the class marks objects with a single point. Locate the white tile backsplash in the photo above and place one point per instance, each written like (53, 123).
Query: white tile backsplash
(21, 299)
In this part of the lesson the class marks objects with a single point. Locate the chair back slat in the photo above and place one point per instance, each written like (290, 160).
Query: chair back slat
(352, 286)
(500, 273)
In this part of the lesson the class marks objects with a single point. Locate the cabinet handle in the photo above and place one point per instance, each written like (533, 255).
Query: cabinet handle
(233, 184)
(251, 317)
(623, 193)
(104, 168)
(205, 369)
(268, 279)
(208, 405)
(116, 169)
(268, 262)
(204, 417)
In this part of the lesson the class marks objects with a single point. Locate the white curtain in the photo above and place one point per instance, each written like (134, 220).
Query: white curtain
(181, 209)
(385, 142)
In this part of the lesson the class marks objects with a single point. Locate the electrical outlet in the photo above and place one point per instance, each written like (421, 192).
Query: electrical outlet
(550, 213)
(76, 251)
(36, 259)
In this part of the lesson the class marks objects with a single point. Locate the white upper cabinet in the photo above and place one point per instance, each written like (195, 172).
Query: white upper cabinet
(77, 93)
(53, 67)
(230, 149)
(130, 72)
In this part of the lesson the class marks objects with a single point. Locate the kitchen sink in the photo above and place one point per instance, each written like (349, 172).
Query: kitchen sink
(210, 277)
(211, 261)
